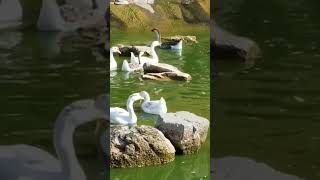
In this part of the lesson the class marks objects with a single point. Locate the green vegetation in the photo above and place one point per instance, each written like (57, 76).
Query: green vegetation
(169, 15)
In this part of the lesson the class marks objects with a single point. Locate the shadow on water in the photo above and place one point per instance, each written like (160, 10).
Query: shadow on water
(268, 111)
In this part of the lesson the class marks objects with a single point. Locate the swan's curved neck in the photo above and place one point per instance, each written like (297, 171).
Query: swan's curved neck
(112, 57)
(63, 143)
(154, 53)
(146, 97)
(132, 114)
(158, 35)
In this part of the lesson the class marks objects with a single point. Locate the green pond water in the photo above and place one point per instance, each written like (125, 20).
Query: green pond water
(193, 96)
(269, 111)
(41, 74)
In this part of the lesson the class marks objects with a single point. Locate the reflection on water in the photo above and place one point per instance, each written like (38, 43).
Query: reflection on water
(235, 168)
(268, 112)
(48, 43)
(190, 96)
(9, 39)
(39, 75)
(29, 162)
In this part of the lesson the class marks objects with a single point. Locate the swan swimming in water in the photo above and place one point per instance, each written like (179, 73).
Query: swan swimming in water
(28, 162)
(130, 67)
(154, 59)
(134, 64)
(122, 116)
(113, 62)
(10, 13)
(172, 44)
(153, 107)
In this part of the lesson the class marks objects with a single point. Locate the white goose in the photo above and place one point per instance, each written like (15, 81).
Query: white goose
(122, 116)
(10, 13)
(113, 62)
(154, 57)
(28, 162)
(130, 67)
(153, 107)
(133, 58)
(169, 44)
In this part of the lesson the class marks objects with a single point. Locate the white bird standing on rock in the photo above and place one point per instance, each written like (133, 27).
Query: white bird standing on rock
(153, 107)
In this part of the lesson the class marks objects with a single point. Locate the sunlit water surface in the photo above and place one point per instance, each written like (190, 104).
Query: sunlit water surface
(193, 96)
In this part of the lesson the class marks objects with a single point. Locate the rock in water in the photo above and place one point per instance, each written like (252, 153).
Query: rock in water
(139, 146)
(185, 130)
(185, 39)
(229, 46)
(163, 71)
(127, 49)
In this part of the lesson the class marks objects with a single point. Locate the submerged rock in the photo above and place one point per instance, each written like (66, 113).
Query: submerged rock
(139, 146)
(228, 46)
(185, 130)
(185, 39)
(162, 71)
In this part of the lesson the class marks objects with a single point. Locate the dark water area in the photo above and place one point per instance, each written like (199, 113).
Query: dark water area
(269, 111)
(40, 74)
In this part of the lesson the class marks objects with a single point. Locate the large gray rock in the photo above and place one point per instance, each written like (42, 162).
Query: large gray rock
(185, 130)
(139, 146)
(162, 71)
(229, 46)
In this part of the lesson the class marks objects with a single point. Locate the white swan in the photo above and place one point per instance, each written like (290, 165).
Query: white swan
(154, 59)
(169, 44)
(122, 116)
(153, 107)
(27, 162)
(177, 46)
(130, 67)
(113, 62)
(10, 13)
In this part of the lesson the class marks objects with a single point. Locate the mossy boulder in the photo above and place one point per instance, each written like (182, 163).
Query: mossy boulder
(139, 146)
(185, 130)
